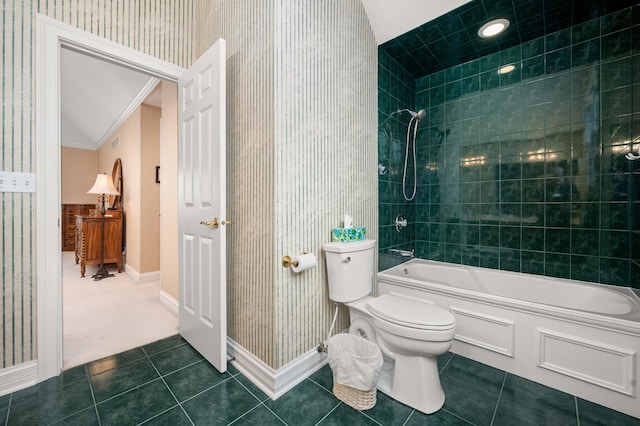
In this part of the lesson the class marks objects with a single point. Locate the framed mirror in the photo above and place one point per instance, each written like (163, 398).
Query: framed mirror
(115, 201)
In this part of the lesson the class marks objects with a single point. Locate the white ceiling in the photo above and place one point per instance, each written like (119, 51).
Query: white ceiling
(389, 19)
(97, 96)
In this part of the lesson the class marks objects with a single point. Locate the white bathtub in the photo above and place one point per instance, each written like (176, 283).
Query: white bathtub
(581, 338)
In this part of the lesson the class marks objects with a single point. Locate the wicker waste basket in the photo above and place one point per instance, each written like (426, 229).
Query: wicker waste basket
(356, 364)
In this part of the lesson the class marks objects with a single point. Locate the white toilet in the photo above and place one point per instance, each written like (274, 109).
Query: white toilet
(410, 332)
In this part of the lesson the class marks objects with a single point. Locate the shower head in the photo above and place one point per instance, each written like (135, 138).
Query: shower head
(418, 115)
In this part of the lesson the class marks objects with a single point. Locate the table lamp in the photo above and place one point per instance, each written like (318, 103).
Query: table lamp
(104, 187)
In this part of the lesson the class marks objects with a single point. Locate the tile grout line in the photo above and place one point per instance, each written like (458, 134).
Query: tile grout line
(6, 419)
(93, 398)
(575, 401)
(370, 418)
(248, 390)
(495, 410)
(167, 386)
(327, 415)
(93, 395)
(409, 417)
(261, 403)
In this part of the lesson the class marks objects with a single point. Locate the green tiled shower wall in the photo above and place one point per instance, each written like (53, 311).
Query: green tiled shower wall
(523, 171)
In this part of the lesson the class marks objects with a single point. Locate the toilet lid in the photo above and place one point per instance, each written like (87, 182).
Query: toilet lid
(410, 312)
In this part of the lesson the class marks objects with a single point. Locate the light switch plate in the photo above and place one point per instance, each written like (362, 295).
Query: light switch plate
(17, 182)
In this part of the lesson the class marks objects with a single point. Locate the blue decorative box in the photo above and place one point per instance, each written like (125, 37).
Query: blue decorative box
(346, 235)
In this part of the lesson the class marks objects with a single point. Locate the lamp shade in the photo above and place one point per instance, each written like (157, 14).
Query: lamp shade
(103, 185)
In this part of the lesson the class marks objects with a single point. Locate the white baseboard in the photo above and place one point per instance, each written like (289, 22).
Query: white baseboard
(18, 377)
(275, 383)
(169, 302)
(141, 277)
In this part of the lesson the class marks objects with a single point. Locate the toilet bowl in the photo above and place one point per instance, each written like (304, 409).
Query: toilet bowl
(410, 332)
(410, 374)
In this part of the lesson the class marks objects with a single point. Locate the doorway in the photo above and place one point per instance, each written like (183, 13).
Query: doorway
(111, 114)
(51, 36)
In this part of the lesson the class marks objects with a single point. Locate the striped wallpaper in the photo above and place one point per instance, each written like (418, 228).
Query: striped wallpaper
(162, 28)
(302, 95)
(302, 151)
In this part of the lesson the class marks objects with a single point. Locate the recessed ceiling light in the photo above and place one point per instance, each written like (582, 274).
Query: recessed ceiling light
(493, 28)
(506, 69)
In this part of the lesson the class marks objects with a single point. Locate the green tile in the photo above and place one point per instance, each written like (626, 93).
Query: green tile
(251, 387)
(259, 416)
(587, 53)
(558, 61)
(323, 377)
(475, 374)
(316, 402)
(4, 401)
(194, 379)
(116, 361)
(344, 415)
(440, 418)
(557, 265)
(616, 21)
(173, 417)
(615, 244)
(489, 235)
(558, 40)
(532, 262)
(453, 253)
(388, 411)
(507, 412)
(557, 240)
(121, 379)
(163, 344)
(220, 405)
(175, 358)
(592, 414)
(73, 374)
(584, 242)
(616, 74)
(533, 238)
(615, 271)
(616, 45)
(471, 68)
(137, 405)
(87, 417)
(50, 401)
(468, 402)
(582, 268)
(550, 403)
(585, 31)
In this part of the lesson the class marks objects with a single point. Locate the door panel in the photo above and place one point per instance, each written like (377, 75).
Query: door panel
(201, 198)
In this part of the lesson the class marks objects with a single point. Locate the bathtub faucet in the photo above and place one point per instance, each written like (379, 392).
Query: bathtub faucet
(403, 253)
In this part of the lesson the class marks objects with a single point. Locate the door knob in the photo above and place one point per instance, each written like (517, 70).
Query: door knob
(215, 223)
(211, 223)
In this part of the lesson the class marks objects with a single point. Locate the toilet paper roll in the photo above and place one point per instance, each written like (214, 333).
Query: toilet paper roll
(304, 262)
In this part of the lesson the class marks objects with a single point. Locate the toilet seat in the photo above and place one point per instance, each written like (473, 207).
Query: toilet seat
(411, 312)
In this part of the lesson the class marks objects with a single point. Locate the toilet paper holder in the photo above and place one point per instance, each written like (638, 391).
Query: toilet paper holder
(287, 261)
(300, 263)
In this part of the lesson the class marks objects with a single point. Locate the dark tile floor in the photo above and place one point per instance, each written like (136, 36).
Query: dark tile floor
(168, 383)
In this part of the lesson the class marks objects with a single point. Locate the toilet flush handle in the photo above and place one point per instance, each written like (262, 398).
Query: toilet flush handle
(347, 259)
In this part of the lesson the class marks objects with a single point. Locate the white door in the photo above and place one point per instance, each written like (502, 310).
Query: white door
(202, 207)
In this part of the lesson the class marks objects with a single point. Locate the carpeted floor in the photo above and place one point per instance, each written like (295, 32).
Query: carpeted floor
(102, 318)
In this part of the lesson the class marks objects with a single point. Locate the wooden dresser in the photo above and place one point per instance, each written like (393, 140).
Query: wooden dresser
(88, 239)
(69, 212)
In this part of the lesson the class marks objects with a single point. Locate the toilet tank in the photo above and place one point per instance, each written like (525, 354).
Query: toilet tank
(349, 269)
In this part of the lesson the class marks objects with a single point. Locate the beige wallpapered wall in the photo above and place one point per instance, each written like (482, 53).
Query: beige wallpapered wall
(301, 144)
(161, 28)
(302, 151)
